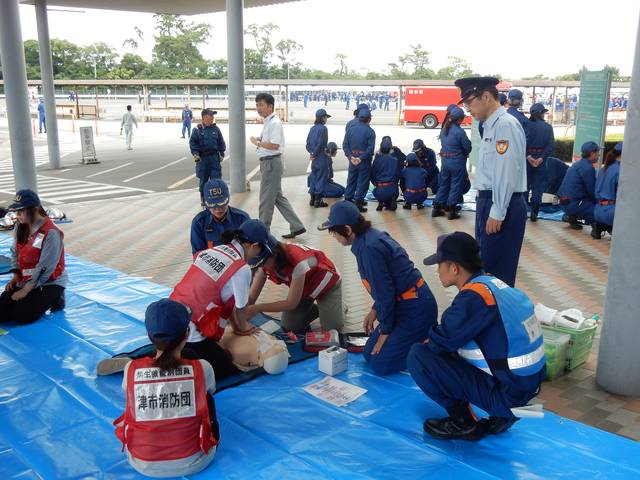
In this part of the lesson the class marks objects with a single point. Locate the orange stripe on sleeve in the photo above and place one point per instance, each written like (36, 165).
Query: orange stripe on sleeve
(481, 290)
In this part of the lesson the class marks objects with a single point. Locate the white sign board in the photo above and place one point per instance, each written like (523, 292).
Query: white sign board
(88, 147)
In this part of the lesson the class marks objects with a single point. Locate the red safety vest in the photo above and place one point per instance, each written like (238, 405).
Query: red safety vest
(318, 281)
(201, 288)
(166, 416)
(29, 252)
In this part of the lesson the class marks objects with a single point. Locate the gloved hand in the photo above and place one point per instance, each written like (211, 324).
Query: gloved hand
(196, 158)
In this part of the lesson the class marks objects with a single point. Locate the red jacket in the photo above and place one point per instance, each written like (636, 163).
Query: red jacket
(29, 252)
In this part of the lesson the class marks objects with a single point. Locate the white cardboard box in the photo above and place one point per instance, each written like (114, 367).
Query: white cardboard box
(332, 360)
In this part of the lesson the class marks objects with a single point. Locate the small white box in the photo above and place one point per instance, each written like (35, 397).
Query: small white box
(332, 360)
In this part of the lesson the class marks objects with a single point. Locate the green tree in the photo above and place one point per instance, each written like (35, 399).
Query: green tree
(261, 35)
(457, 68)
(341, 60)
(67, 60)
(218, 68)
(100, 57)
(32, 59)
(286, 51)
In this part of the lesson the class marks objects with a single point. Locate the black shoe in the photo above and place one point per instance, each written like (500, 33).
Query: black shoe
(596, 231)
(393, 205)
(365, 203)
(361, 206)
(406, 206)
(565, 218)
(534, 213)
(294, 234)
(574, 223)
(450, 428)
(453, 214)
(497, 425)
(182, 136)
(59, 304)
(438, 211)
(312, 200)
(379, 207)
(420, 206)
(319, 203)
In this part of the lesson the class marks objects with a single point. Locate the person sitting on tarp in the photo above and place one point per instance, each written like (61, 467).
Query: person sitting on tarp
(606, 193)
(577, 193)
(169, 427)
(37, 263)
(413, 182)
(216, 291)
(385, 176)
(402, 302)
(208, 225)
(315, 288)
(428, 161)
(487, 349)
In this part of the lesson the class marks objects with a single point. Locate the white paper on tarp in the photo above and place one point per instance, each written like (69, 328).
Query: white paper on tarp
(336, 392)
(270, 327)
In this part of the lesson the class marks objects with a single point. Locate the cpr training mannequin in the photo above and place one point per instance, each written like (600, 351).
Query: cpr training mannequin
(259, 349)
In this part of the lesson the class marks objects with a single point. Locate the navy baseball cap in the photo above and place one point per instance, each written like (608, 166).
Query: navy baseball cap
(515, 93)
(385, 144)
(412, 159)
(418, 144)
(24, 199)
(457, 247)
(166, 320)
(589, 147)
(456, 112)
(216, 193)
(341, 213)
(331, 146)
(321, 112)
(502, 98)
(208, 111)
(474, 85)
(538, 108)
(618, 147)
(364, 112)
(254, 231)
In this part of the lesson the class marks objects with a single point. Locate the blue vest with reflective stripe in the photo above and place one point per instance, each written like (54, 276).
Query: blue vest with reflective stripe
(524, 335)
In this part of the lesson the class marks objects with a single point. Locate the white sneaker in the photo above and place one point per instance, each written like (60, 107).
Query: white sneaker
(109, 366)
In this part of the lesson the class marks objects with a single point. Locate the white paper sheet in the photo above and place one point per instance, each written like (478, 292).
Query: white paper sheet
(333, 391)
(270, 326)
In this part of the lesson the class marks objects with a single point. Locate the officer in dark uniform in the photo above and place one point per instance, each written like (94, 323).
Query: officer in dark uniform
(515, 103)
(428, 161)
(487, 349)
(317, 140)
(207, 147)
(384, 176)
(540, 144)
(358, 146)
(187, 118)
(577, 193)
(354, 120)
(208, 225)
(501, 179)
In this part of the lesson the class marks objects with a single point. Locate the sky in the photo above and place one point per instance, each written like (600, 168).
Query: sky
(514, 38)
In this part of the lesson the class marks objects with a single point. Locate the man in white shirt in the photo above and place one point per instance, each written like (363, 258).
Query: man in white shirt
(269, 148)
(128, 121)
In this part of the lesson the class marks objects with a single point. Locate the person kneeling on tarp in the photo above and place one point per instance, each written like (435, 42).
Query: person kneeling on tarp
(169, 427)
(37, 264)
(487, 350)
(315, 288)
(402, 302)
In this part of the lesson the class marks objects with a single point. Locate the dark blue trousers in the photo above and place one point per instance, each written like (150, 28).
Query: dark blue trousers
(386, 194)
(319, 175)
(453, 183)
(208, 168)
(333, 190)
(604, 214)
(186, 126)
(582, 209)
(536, 182)
(500, 252)
(358, 180)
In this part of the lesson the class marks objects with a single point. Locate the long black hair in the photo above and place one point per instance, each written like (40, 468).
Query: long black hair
(166, 360)
(23, 230)
(448, 121)
(361, 227)
(612, 156)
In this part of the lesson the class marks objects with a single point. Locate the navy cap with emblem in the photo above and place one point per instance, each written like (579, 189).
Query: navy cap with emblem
(457, 247)
(515, 93)
(341, 213)
(166, 320)
(537, 108)
(209, 111)
(216, 193)
(321, 112)
(24, 199)
(418, 144)
(589, 147)
(332, 146)
(474, 85)
(502, 98)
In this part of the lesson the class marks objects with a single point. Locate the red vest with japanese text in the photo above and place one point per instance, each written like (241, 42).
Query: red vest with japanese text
(29, 252)
(201, 288)
(318, 281)
(166, 415)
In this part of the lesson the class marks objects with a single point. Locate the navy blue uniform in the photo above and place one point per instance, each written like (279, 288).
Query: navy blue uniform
(454, 179)
(351, 123)
(187, 118)
(359, 141)
(429, 162)
(206, 231)
(384, 176)
(317, 140)
(577, 192)
(413, 182)
(556, 169)
(400, 157)
(606, 194)
(518, 115)
(405, 306)
(208, 143)
(42, 121)
(540, 144)
(450, 380)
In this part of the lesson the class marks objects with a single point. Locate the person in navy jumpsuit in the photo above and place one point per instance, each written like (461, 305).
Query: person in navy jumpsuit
(332, 189)
(317, 147)
(207, 147)
(454, 179)
(501, 179)
(208, 225)
(413, 182)
(577, 193)
(187, 118)
(384, 176)
(446, 366)
(555, 170)
(515, 103)
(606, 193)
(540, 144)
(428, 161)
(403, 304)
(358, 146)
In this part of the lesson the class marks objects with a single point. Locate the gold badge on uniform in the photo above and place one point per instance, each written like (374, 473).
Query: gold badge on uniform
(502, 146)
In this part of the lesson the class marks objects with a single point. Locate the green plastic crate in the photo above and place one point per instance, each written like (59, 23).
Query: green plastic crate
(556, 345)
(579, 345)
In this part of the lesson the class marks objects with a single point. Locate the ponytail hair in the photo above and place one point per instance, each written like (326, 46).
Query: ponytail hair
(167, 360)
(612, 156)
(229, 236)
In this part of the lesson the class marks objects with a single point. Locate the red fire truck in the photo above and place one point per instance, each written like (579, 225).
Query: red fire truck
(428, 105)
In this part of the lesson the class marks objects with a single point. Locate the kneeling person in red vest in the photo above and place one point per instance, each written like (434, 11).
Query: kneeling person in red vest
(169, 427)
(315, 288)
(487, 349)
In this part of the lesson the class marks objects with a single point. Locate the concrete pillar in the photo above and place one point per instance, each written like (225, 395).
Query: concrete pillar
(48, 90)
(619, 359)
(235, 56)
